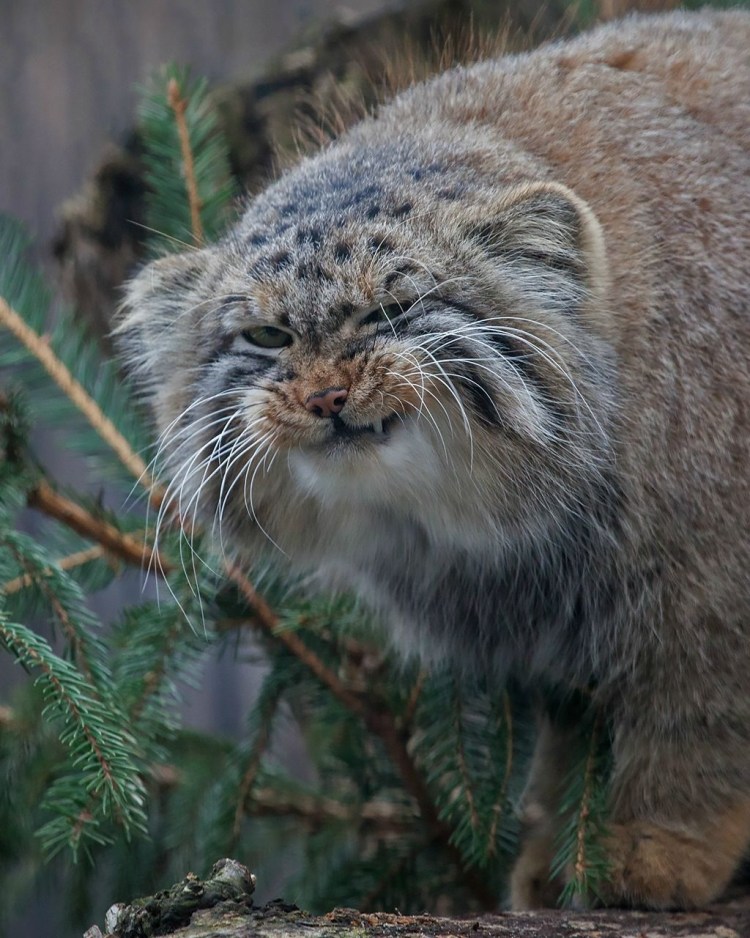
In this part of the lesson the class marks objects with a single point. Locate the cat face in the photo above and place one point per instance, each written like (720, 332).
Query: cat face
(362, 338)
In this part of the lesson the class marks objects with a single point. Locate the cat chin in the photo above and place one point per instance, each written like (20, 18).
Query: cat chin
(378, 471)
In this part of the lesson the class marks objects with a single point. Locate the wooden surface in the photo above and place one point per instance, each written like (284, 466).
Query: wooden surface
(277, 921)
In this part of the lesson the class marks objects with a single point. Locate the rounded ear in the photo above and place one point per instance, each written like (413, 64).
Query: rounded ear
(162, 293)
(549, 241)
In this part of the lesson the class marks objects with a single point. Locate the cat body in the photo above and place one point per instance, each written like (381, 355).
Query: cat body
(484, 360)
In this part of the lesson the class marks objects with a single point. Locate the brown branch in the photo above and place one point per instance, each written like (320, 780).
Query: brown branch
(45, 499)
(269, 802)
(267, 619)
(381, 814)
(59, 373)
(179, 106)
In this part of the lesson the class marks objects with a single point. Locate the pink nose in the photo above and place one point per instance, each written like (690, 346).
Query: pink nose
(327, 403)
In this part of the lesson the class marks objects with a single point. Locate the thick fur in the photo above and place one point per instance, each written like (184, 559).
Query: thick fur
(563, 488)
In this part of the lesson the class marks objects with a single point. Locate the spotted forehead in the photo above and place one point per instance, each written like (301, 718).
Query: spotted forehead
(335, 234)
(318, 276)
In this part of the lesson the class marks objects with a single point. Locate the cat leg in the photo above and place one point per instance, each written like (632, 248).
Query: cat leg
(531, 884)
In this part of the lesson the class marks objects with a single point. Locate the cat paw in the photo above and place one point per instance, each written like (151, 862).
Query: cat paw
(656, 868)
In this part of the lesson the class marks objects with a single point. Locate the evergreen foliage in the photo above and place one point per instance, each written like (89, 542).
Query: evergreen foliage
(414, 778)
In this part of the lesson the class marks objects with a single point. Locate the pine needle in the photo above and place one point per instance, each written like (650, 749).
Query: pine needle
(41, 350)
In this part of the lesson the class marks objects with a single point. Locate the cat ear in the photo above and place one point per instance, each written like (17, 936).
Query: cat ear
(157, 300)
(549, 242)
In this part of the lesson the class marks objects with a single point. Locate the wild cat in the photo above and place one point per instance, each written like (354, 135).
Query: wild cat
(485, 359)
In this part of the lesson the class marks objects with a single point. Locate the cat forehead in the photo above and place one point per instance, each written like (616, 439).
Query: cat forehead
(355, 186)
(314, 274)
(342, 231)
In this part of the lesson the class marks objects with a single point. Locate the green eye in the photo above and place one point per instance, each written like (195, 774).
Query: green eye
(383, 314)
(267, 337)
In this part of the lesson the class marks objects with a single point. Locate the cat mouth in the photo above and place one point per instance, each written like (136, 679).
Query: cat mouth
(378, 430)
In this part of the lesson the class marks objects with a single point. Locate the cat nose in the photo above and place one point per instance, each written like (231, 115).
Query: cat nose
(327, 403)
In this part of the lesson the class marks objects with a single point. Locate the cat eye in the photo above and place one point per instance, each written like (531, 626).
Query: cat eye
(268, 337)
(382, 314)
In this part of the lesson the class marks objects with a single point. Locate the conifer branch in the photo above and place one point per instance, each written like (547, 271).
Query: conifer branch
(499, 803)
(380, 722)
(267, 619)
(413, 700)
(45, 499)
(62, 616)
(153, 677)
(466, 782)
(580, 866)
(76, 698)
(179, 106)
(69, 562)
(249, 776)
(391, 873)
(386, 816)
(60, 374)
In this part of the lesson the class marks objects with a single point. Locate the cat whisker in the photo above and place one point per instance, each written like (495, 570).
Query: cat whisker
(420, 410)
(448, 384)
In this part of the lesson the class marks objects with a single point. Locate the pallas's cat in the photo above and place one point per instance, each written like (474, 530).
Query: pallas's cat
(485, 360)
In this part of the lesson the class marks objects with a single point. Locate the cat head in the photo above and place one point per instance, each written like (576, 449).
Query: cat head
(380, 329)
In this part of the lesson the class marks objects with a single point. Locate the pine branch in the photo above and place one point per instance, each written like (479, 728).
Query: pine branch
(499, 804)
(467, 783)
(179, 106)
(93, 736)
(62, 595)
(266, 711)
(60, 374)
(70, 562)
(387, 817)
(380, 722)
(413, 700)
(39, 577)
(123, 546)
(268, 621)
(186, 157)
(580, 849)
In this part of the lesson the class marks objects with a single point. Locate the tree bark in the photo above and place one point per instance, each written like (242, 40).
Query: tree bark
(221, 907)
